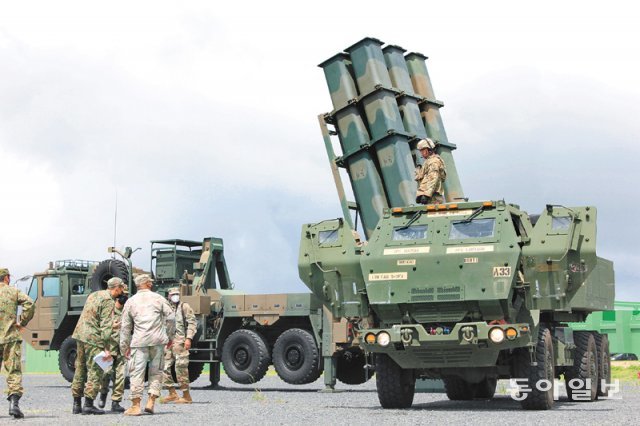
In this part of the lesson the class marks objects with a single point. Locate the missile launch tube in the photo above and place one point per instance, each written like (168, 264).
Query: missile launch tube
(430, 110)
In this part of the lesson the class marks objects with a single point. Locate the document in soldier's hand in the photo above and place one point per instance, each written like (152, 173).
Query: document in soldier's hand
(99, 359)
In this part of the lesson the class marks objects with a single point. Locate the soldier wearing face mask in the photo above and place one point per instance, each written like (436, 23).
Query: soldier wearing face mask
(178, 354)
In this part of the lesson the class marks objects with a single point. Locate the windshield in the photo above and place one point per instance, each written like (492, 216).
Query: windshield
(415, 232)
(476, 228)
(33, 289)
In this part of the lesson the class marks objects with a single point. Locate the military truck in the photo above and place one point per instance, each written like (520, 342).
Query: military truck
(246, 333)
(465, 291)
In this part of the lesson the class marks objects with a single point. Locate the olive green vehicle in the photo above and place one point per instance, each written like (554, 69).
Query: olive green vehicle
(246, 333)
(466, 291)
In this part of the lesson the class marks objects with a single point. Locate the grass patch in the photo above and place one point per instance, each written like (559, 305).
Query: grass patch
(625, 370)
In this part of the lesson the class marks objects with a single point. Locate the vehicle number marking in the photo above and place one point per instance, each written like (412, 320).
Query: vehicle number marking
(406, 262)
(388, 276)
(501, 271)
(405, 250)
(469, 249)
(470, 260)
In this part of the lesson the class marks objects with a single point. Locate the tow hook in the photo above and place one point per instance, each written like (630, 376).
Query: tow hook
(406, 336)
(468, 333)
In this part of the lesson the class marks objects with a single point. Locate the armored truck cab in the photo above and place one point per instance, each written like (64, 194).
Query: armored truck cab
(464, 291)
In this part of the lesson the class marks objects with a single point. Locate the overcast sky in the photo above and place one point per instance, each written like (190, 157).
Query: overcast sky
(202, 118)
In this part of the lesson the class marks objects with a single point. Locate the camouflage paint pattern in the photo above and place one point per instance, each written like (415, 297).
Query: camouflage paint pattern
(430, 110)
(87, 379)
(354, 139)
(430, 177)
(115, 374)
(176, 356)
(10, 337)
(12, 366)
(442, 276)
(140, 356)
(95, 324)
(10, 299)
(407, 100)
(147, 320)
(384, 120)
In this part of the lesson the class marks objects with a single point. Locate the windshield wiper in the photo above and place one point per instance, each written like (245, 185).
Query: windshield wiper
(415, 217)
(475, 214)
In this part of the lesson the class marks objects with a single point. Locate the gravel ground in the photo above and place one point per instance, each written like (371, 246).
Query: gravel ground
(48, 401)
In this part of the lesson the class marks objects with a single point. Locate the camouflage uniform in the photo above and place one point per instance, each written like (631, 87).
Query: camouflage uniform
(10, 338)
(185, 323)
(93, 335)
(116, 372)
(430, 178)
(147, 326)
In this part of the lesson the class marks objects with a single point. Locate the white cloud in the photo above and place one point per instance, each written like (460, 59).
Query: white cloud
(202, 117)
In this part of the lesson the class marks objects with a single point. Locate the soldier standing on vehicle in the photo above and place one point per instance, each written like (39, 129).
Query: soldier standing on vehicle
(116, 373)
(178, 354)
(431, 175)
(93, 335)
(10, 338)
(147, 327)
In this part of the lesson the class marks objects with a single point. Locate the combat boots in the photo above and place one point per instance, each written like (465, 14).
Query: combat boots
(134, 410)
(150, 403)
(77, 405)
(102, 401)
(116, 407)
(186, 397)
(14, 408)
(172, 397)
(89, 408)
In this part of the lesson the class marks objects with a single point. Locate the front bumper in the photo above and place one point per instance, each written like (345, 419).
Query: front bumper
(467, 344)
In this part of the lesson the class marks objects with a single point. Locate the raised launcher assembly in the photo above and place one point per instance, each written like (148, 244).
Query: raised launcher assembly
(383, 104)
(466, 291)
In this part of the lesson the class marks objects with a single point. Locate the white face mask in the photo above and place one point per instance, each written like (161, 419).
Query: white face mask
(175, 298)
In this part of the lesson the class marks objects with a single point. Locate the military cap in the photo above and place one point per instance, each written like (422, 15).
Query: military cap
(115, 282)
(141, 279)
(426, 144)
(174, 290)
(4, 271)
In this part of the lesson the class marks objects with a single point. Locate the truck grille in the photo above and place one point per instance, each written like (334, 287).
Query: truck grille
(438, 312)
(444, 356)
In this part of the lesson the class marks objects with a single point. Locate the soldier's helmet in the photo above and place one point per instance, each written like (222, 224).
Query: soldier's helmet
(426, 144)
(4, 272)
(173, 290)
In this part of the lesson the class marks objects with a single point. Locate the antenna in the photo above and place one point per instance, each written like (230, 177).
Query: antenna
(115, 221)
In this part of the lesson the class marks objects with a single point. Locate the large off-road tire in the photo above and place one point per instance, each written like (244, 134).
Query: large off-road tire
(296, 357)
(458, 389)
(195, 370)
(537, 399)
(350, 367)
(604, 363)
(486, 388)
(106, 270)
(67, 358)
(584, 370)
(395, 385)
(245, 356)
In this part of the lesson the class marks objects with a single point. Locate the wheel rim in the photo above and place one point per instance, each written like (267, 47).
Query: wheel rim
(241, 357)
(294, 356)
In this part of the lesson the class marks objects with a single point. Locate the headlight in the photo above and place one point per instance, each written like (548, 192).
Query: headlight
(383, 338)
(496, 335)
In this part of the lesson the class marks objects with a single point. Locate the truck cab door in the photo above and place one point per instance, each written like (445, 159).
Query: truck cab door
(45, 291)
